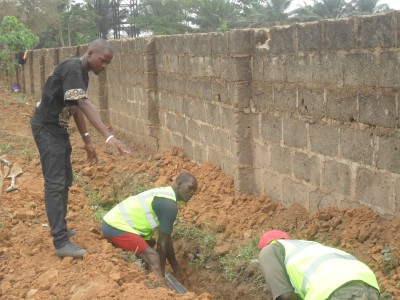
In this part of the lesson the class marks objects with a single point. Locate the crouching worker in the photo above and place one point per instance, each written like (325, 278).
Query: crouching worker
(131, 223)
(297, 269)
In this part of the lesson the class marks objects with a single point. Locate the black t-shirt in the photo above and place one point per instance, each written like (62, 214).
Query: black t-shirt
(67, 84)
(166, 211)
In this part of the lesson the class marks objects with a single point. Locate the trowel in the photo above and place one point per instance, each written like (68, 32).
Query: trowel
(14, 172)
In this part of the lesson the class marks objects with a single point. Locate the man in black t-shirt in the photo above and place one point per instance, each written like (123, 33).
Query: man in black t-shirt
(65, 95)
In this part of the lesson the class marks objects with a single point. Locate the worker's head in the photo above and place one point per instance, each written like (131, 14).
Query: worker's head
(98, 55)
(185, 186)
(270, 236)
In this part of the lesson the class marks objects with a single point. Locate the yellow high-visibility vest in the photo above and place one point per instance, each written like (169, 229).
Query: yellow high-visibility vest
(135, 214)
(316, 271)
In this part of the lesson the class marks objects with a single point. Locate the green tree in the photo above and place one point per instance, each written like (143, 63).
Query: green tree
(14, 37)
(323, 9)
(214, 15)
(162, 17)
(368, 6)
(268, 13)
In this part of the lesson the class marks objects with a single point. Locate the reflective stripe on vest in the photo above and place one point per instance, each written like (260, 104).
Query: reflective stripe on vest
(310, 266)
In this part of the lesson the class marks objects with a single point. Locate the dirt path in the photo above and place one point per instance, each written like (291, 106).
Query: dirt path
(29, 268)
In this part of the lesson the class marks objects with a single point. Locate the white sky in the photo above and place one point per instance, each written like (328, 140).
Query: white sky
(393, 4)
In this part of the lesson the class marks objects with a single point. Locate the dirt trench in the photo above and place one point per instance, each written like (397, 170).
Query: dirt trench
(29, 268)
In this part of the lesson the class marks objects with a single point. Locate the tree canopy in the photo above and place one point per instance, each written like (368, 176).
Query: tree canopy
(72, 22)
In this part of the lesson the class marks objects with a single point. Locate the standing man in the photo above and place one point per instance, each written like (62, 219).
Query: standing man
(297, 269)
(65, 95)
(130, 224)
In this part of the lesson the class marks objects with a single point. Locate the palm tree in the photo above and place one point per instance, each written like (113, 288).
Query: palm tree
(214, 15)
(368, 6)
(323, 9)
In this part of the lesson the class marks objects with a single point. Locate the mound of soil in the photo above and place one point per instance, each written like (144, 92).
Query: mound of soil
(30, 269)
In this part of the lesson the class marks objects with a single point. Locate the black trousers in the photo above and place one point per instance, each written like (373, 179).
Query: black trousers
(55, 157)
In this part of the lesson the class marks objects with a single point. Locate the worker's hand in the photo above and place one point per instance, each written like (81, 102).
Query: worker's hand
(91, 153)
(120, 146)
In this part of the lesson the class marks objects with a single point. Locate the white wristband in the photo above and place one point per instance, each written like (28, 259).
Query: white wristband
(109, 138)
(86, 134)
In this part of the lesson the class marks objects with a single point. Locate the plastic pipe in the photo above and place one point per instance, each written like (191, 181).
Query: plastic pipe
(175, 284)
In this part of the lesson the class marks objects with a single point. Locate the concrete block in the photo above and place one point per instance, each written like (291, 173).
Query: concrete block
(294, 192)
(257, 67)
(176, 140)
(299, 68)
(389, 69)
(357, 145)
(275, 68)
(273, 185)
(281, 39)
(241, 94)
(199, 153)
(284, 100)
(388, 154)
(339, 34)
(281, 160)
(306, 168)
(239, 68)
(193, 130)
(373, 189)
(219, 43)
(324, 139)
(224, 141)
(271, 128)
(201, 44)
(221, 91)
(320, 200)
(294, 133)
(309, 36)
(261, 156)
(360, 69)
(326, 67)
(336, 178)
(244, 179)
(227, 117)
(213, 115)
(239, 41)
(378, 110)
(397, 196)
(376, 31)
(262, 97)
(255, 126)
(311, 103)
(341, 105)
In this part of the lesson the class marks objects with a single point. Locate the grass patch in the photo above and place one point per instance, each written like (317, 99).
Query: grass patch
(202, 239)
(232, 263)
(390, 259)
(6, 148)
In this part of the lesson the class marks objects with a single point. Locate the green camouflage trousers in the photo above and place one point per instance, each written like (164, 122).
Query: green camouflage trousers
(355, 290)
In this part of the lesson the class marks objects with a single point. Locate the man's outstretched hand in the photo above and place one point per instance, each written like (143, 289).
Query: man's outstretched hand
(91, 154)
(120, 146)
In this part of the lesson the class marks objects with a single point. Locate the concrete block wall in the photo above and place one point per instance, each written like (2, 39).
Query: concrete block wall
(325, 113)
(307, 113)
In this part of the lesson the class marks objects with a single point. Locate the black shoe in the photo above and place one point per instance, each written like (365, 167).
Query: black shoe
(70, 250)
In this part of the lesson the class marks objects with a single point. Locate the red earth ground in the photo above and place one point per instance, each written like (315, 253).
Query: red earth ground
(30, 269)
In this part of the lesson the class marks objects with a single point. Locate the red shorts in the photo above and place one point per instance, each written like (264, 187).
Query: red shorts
(129, 242)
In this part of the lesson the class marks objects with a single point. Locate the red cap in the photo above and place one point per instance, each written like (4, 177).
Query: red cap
(269, 236)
